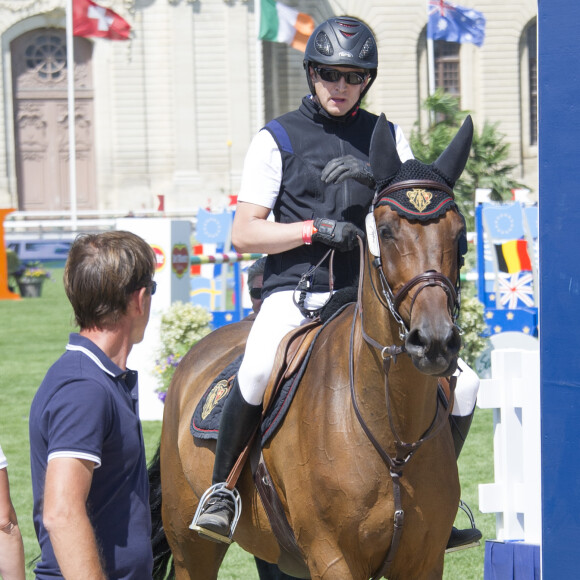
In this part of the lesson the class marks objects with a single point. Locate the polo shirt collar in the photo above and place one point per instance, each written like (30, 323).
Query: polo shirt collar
(82, 344)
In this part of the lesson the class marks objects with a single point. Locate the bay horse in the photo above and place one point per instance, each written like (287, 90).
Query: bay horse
(365, 445)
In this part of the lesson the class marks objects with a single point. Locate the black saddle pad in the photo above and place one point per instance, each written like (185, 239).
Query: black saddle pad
(206, 417)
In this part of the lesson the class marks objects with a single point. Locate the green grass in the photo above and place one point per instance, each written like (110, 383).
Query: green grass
(33, 334)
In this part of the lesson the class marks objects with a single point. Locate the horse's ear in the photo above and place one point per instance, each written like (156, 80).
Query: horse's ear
(385, 161)
(451, 162)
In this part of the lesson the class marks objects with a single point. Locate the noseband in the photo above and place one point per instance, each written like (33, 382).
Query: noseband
(429, 278)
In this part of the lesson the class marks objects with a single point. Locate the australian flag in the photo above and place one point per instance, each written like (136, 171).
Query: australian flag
(455, 23)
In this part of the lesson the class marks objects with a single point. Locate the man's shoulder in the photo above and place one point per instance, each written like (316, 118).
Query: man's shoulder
(70, 376)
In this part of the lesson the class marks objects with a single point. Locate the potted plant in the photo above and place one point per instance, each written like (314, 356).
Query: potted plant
(14, 266)
(30, 279)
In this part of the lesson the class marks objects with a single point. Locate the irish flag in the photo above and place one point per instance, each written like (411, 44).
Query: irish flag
(280, 23)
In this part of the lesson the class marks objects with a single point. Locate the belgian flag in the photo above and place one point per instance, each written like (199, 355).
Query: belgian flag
(513, 256)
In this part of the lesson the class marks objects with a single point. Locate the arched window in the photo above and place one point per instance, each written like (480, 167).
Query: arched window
(446, 57)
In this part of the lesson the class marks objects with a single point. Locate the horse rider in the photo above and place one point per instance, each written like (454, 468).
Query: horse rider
(310, 168)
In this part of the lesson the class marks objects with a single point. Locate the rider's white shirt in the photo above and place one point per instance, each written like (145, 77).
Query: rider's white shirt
(263, 168)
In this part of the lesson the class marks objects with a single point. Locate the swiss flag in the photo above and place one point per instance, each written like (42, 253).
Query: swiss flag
(90, 19)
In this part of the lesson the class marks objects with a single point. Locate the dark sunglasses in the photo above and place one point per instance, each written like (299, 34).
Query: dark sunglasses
(256, 293)
(331, 75)
(152, 287)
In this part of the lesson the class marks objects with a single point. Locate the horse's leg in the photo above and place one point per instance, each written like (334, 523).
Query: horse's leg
(327, 562)
(199, 559)
(193, 557)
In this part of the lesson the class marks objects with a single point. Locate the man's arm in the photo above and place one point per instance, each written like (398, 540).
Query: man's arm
(253, 232)
(11, 548)
(67, 485)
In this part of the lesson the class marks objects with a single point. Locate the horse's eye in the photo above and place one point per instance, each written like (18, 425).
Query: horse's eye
(385, 232)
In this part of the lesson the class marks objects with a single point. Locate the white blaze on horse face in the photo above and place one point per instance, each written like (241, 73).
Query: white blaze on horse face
(372, 235)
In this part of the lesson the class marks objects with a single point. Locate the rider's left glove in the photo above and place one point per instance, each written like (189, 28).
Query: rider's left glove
(348, 166)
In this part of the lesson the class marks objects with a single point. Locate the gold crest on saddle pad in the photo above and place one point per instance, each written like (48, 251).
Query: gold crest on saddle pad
(420, 198)
(219, 391)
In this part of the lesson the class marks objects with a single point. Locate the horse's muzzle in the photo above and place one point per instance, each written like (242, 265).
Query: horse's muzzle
(434, 353)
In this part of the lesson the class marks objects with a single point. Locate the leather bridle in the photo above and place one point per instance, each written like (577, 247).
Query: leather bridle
(392, 302)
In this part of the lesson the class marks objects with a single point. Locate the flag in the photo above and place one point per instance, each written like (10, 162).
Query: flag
(280, 23)
(205, 292)
(503, 222)
(512, 256)
(455, 23)
(90, 19)
(516, 290)
(213, 227)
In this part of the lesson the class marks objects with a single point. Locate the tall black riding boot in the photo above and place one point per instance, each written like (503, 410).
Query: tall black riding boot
(469, 537)
(237, 423)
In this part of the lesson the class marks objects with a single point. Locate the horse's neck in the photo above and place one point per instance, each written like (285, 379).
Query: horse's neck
(412, 394)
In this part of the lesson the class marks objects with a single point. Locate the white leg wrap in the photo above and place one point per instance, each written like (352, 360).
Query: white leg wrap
(466, 390)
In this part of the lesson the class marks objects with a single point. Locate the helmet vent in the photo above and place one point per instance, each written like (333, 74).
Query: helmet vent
(323, 44)
(368, 49)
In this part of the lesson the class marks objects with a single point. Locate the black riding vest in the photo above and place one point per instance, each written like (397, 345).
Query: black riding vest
(308, 139)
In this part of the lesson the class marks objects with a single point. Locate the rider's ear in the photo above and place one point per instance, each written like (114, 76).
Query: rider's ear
(384, 159)
(451, 162)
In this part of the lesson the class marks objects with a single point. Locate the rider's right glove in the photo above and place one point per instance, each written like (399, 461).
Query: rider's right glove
(339, 235)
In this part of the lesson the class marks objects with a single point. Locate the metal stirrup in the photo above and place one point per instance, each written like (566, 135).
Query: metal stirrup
(209, 493)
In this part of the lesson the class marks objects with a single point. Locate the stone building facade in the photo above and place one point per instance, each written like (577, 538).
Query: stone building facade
(172, 111)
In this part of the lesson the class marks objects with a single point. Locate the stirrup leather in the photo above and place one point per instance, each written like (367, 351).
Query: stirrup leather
(209, 493)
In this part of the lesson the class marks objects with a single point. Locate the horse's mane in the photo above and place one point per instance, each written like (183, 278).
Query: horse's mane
(339, 299)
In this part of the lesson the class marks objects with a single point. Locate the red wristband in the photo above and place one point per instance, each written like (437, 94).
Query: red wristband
(307, 228)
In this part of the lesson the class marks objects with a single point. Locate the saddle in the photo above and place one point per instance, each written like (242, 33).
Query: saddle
(289, 365)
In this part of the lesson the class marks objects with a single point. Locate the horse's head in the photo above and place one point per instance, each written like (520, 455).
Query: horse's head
(416, 238)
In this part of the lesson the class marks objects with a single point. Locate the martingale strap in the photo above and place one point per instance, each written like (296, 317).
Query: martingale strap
(404, 451)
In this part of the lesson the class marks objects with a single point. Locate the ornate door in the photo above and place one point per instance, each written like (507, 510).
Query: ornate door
(39, 80)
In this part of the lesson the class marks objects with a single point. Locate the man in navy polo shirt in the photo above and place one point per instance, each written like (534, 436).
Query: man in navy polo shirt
(89, 474)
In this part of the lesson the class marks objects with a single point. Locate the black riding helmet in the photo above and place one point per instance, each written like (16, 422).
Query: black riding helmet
(342, 41)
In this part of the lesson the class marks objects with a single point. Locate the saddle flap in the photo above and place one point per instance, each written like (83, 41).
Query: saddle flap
(289, 356)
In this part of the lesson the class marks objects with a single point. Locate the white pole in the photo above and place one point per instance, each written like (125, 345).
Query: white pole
(72, 159)
(259, 69)
(430, 57)
(431, 65)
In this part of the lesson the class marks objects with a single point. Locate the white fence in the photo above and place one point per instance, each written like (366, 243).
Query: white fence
(513, 393)
(58, 224)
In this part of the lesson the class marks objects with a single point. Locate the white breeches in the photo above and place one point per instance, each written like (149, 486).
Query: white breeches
(279, 315)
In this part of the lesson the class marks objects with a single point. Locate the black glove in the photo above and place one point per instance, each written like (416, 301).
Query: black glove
(348, 166)
(339, 235)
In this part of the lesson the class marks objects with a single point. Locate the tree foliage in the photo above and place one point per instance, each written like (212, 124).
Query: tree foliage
(487, 166)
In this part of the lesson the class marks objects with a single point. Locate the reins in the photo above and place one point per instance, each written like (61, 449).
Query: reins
(305, 285)
(404, 451)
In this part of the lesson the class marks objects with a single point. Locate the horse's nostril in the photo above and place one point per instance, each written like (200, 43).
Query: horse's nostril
(415, 342)
(454, 342)
(423, 344)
